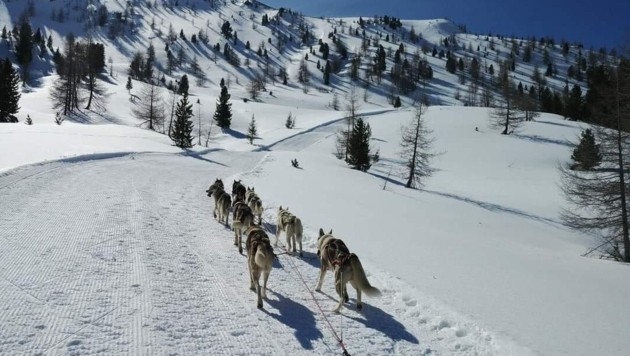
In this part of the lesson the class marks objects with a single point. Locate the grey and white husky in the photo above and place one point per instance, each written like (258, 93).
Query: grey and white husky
(222, 202)
(334, 255)
(292, 227)
(259, 260)
(257, 208)
(242, 218)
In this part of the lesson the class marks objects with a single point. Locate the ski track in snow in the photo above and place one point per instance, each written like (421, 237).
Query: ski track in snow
(122, 256)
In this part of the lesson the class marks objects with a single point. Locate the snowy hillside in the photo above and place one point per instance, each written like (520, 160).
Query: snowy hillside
(108, 244)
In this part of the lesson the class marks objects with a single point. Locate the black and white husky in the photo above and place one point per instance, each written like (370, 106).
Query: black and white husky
(259, 260)
(242, 218)
(292, 227)
(334, 254)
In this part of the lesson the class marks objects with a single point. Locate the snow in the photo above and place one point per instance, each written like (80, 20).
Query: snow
(108, 244)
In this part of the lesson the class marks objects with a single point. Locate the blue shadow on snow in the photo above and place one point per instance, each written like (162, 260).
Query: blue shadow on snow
(297, 317)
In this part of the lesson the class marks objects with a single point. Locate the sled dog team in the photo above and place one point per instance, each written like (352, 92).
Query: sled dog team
(247, 212)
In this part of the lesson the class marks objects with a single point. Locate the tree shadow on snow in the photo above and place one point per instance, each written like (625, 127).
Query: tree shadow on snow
(385, 178)
(297, 317)
(235, 134)
(540, 139)
(377, 319)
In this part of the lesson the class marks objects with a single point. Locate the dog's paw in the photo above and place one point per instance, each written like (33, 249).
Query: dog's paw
(359, 307)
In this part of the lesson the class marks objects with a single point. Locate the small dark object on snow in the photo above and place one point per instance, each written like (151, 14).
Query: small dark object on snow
(295, 163)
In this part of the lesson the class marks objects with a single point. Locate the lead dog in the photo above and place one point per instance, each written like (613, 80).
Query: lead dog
(222, 202)
(334, 255)
(292, 226)
(259, 260)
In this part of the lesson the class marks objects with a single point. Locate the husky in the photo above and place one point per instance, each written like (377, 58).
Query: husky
(250, 193)
(255, 204)
(334, 254)
(292, 226)
(259, 260)
(242, 218)
(218, 183)
(238, 190)
(222, 202)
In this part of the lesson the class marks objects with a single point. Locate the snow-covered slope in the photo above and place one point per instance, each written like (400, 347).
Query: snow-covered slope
(476, 263)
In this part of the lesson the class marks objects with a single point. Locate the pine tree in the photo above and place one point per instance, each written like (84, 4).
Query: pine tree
(147, 72)
(183, 127)
(9, 92)
(290, 123)
(29, 121)
(223, 113)
(183, 86)
(586, 153)
(415, 149)
(303, 72)
(574, 107)
(24, 47)
(226, 30)
(359, 146)
(252, 131)
(327, 73)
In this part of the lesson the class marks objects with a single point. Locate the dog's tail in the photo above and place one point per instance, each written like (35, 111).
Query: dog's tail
(361, 278)
(298, 229)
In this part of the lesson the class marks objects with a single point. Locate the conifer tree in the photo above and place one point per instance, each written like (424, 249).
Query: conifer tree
(223, 113)
(586, 154)
(359, 146)
(598, 199)
(183, 86)
(575, 104)
(327, 73)
(24, 47)
(183, 127)
(415, 149)
(150, 109)
(9, 92)
(252, 130)
(290, 123)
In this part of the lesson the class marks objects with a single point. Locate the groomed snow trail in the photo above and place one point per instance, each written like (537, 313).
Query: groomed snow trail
(122, 256)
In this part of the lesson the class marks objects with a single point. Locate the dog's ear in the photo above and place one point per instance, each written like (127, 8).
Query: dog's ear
(321, 232)
(330, 233)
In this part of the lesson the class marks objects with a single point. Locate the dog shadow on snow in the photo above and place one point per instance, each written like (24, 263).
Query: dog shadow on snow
(374, 318)
(296, 316)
